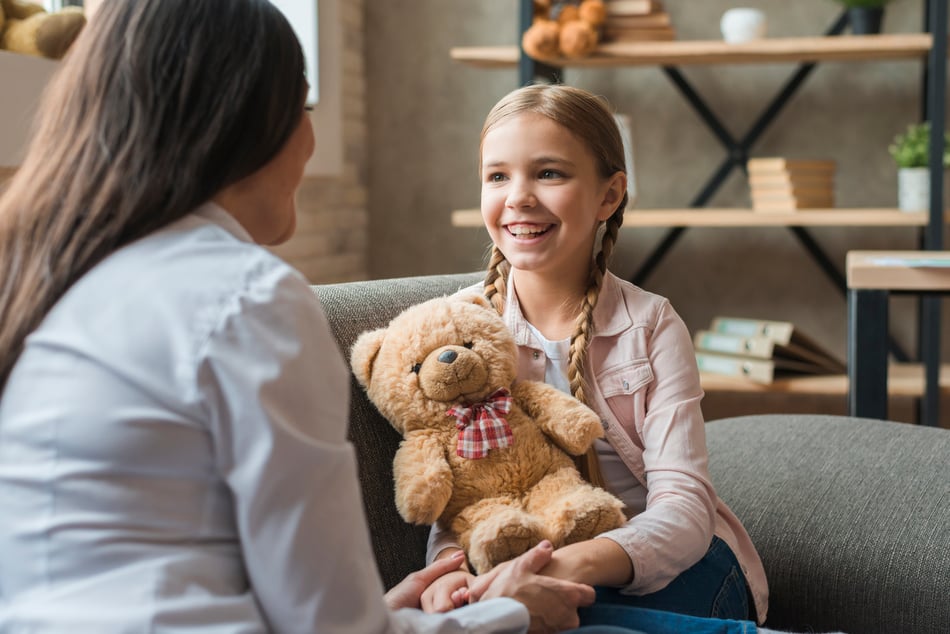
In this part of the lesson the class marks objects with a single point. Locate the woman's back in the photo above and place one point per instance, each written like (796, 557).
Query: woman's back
(109, 471)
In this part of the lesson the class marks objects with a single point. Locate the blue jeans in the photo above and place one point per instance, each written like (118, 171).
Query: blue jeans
(711, 597)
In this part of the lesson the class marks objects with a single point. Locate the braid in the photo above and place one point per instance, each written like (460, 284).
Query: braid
(588, 464)
(496, 279)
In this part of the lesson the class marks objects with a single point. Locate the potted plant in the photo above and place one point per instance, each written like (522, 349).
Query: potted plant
(911, 152)
(865, 16)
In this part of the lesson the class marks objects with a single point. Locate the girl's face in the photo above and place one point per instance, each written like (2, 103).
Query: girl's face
(542, 196)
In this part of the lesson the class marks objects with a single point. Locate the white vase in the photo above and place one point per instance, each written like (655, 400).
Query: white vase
(913, 188)
(742, 24)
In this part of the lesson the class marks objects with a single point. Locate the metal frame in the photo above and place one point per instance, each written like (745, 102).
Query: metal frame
(933, 90)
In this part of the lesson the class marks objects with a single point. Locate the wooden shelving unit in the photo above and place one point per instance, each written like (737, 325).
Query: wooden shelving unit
(728, 217)
(833, 46)
(708, 52)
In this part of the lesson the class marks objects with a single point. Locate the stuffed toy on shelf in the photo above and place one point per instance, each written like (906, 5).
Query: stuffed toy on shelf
(564, 28)
(26, 27)
(484, 455)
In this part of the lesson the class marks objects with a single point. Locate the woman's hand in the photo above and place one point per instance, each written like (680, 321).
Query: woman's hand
(447, 592)
(551, 602)
(408, 592)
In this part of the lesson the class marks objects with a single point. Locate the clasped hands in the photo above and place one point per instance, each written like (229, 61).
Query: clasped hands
(444, 585)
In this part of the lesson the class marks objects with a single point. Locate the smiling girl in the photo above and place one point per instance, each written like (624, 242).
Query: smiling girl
(552, 179)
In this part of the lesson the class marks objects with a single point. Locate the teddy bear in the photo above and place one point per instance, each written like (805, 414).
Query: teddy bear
(484, 455)
(564, 28)
(26, 27)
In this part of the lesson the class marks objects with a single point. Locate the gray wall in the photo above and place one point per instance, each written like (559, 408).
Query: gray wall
(425, 114)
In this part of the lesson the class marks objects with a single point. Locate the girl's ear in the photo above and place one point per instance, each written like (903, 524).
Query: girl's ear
(616, 187)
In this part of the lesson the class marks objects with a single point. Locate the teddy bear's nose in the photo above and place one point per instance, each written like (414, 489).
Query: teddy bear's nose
(448, 356)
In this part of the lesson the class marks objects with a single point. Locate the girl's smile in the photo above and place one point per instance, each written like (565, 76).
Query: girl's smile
(525, 231)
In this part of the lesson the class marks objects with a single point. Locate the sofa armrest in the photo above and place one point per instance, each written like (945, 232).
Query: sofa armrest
(850, 516)
(351, 309)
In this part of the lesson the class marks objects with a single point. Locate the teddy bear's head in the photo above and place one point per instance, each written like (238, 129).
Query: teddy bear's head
(434, 355)
(26, 27)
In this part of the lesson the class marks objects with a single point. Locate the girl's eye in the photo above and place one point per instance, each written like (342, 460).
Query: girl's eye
(469, 345)
(496, 178)
(550, 174)
(416, 368)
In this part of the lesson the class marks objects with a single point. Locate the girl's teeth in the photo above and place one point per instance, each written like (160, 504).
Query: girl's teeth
(524, 231)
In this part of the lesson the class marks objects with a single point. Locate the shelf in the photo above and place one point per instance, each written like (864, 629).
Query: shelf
(904, 379)
(730, 217)
(707, 52)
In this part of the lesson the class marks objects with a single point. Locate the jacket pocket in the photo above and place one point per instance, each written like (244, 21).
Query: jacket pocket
(624, 388)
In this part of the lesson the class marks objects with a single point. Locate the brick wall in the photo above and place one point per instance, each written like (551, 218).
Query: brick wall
(330, 244)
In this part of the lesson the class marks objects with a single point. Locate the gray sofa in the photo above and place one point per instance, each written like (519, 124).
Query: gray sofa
(851, 517)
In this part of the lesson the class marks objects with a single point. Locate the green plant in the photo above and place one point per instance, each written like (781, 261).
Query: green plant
(911, 148)
(863, 4)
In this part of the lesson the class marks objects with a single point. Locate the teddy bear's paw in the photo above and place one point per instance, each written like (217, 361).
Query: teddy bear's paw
(592, 522)
(577, 438)
(572, 509)
(505, 536)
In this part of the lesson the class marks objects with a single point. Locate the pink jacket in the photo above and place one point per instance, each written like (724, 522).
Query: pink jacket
(646, 389)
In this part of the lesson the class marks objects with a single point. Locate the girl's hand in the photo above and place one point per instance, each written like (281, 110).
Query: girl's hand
(408, 592)
(447, 592)
(551, 602)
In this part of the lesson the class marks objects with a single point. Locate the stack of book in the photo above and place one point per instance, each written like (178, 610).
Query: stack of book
(760, 350)
(782, 184)
(636, 21)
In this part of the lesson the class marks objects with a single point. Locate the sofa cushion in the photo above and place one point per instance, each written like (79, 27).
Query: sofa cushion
(352, 308)
(851, 518)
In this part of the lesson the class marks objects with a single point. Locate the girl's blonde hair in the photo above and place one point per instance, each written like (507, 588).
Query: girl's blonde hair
(590, 120)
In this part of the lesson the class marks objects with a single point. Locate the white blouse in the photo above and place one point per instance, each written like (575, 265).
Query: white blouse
(173, 456)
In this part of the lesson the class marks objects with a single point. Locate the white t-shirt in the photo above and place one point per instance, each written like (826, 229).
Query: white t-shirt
(173, 456)
(618, 477)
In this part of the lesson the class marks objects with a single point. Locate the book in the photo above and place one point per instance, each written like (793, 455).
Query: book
(812, 179)
(791, 204)
(763, 371)
(644, 21)
(784, 201)
(773, 165)
(632, 7)
(761, 350)
(638, 35)
(763, 347)
(783, 333)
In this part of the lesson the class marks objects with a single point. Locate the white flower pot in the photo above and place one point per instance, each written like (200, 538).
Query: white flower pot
(913, 188)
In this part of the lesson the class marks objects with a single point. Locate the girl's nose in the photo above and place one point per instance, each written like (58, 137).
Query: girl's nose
(520, 196)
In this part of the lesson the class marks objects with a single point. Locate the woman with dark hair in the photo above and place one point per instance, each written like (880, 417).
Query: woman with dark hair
(173, 451)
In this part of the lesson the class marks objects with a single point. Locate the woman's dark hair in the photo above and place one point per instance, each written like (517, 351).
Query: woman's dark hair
(158, 105)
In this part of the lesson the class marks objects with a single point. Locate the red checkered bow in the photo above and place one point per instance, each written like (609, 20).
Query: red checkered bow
(483, 426)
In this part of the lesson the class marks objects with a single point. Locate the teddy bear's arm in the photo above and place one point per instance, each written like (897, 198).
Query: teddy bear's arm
(423, 478)
(571, 425)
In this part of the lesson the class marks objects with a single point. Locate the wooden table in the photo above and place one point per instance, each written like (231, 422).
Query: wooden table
(871, 277)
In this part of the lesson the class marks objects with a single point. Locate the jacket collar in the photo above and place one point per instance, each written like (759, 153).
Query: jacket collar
(610, 315)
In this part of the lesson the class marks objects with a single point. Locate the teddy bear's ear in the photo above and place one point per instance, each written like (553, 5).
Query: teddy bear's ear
(476, 298)
(363, 354)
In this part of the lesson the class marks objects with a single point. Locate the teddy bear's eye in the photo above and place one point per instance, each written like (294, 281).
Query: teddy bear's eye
(469, 345)
(416, 368)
